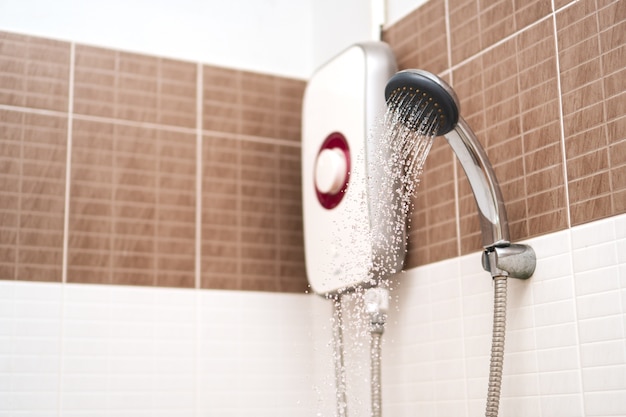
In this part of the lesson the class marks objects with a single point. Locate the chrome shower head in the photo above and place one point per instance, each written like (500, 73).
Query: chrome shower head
(418, 91)
(424, 103)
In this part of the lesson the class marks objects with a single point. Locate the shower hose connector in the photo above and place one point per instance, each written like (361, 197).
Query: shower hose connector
(512, 260)
(376, 306)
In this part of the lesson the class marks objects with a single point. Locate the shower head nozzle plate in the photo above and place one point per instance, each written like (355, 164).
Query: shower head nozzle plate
(427, 93)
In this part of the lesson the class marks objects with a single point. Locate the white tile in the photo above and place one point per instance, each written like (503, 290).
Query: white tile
(519, 384)
(84, 401)
(37, 328)
(84, 382)
(92, 311)
(601, 329)
(560, 382)
(92, 293)
(77, 365)
(518, 407)
(593, 233)
(612, 352)
(35, 382)
(477, 304)
(598, 305)
(551, 245)
(86, 329)
(620, 226)
(556, 336)
(130, 400)
(38, 309)
(519, 318)
(521, 366)
(594, 257)
(38, 291)
(552, 267)
(34, 401)
(605, 378)
(620, 247)
(555, 313)
(558, 359)
(130, 365)
(520, 340)
(597, 280)
(478, 325)
(556, 289)
(605, 403)
(562, 406)
(35, 364)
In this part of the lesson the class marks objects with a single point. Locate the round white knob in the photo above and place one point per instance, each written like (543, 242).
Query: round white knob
(331, 170)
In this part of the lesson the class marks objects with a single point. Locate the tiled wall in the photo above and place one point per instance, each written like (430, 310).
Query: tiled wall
(121, 168)
(188, 175)
(543, 87)
(565, 348)
(108, 350)
(92, 350)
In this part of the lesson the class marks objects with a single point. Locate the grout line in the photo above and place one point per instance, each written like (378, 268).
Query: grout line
(561, 124)
(196, 353)
(448, 37)
(524, 155)
(68, 163)
(169, 128)
(576, 318)
(199, 169)
(457, 210)
(66, 221)
(604, 110)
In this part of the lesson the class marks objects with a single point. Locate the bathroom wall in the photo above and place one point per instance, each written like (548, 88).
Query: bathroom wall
(565, 348)
(122, 168)
(543, 87)
(136, 192)
(542, 84)
(107, 350)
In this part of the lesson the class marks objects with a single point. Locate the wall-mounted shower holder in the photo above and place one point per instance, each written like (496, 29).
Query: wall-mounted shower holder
(513, 260)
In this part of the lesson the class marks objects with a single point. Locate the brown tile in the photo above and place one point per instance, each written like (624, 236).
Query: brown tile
(433, 219)
(617, 153)
(134, 87)
(588, 106)
(34, 72)
(618, 178)
(465, 37)
(529, 12)
(127, 221)
(589, 210)
(497, 21)
(32, 205)
(593, 162)
(546, 223)
(419, 39)
(221, 108)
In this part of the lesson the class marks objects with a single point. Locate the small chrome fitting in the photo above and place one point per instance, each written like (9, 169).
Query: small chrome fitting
(512, 260)
(376, 302)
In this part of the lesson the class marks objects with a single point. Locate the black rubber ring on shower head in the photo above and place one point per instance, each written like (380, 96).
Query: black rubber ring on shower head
(427, 85)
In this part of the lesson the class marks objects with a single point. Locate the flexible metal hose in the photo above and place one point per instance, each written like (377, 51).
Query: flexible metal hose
(340, 369)
(497, 346)
(375, 350)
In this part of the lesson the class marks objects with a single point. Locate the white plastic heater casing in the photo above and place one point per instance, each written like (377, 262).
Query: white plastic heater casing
(344, 96)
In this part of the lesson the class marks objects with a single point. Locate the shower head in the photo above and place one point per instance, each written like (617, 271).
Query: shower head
(425, 104)
(425, 99)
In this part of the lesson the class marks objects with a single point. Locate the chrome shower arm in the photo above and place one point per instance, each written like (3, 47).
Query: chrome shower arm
(494, 225)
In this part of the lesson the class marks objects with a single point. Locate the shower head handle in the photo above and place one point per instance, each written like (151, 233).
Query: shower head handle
(491, 210)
